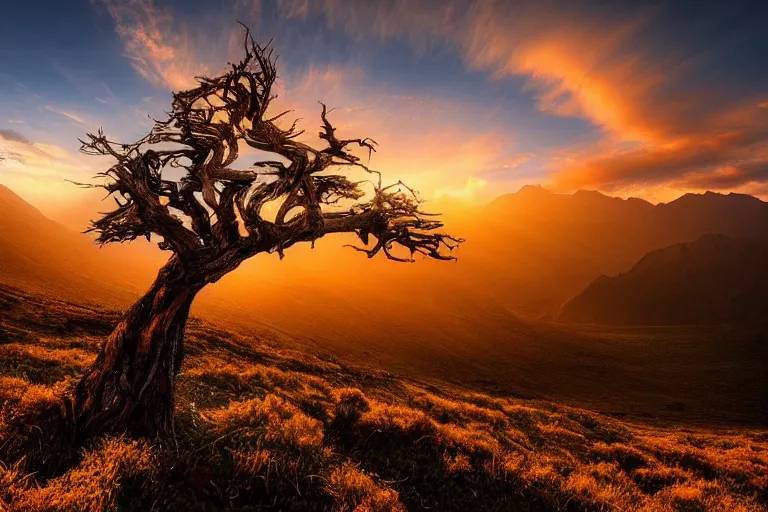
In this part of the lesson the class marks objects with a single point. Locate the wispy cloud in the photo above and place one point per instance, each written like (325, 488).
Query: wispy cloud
(13, 136)
(38, 170)
(69, 115)
(156, 52)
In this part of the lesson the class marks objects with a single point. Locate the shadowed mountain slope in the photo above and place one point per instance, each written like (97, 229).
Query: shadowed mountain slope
(714, 280)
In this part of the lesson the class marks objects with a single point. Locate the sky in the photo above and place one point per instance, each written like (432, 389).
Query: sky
(467, 100)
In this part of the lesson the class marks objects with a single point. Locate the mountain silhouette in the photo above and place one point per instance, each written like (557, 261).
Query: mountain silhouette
(526, 253)
(714, 280)
(543, 248)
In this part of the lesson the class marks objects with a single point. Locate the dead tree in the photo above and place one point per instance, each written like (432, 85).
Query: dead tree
(213, 218)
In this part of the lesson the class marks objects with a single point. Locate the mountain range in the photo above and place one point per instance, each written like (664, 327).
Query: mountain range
(526, 255)
(539, 249)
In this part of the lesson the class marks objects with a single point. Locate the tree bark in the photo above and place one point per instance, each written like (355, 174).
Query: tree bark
(130, 386)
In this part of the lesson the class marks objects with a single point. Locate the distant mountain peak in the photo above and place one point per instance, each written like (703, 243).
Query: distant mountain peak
(593, 195)
(536, 195)
(532, 189)
(709, 194)
(589, 193)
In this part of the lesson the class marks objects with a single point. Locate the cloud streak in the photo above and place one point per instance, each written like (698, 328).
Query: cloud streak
(39, 170)
(69, 115)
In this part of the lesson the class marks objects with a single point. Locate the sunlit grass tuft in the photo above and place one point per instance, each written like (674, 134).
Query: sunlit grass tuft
(92, 485)
(272, 419)
(353, 489)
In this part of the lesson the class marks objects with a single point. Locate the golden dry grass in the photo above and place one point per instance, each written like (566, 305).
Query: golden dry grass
(261, 428)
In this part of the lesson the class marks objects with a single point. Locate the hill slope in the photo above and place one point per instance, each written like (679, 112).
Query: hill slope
(263, 428)
(714, 280)
(38, 253)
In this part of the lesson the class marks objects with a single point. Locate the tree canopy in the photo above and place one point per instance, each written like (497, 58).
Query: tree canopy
(214, 214)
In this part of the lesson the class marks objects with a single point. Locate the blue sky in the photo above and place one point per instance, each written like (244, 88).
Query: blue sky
(467, 99)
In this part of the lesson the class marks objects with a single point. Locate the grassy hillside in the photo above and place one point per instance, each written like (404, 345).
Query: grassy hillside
(261, 427)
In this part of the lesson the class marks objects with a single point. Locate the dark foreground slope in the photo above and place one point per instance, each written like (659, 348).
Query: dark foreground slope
(714, 280)
(264, 428)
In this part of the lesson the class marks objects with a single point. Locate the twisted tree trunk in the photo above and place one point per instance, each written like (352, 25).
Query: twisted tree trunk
(130, 386)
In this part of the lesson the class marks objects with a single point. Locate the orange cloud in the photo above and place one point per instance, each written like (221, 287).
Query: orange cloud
(160, 49)
(689, 139)
(571, 67)
(728, 161)
(728, 150)
(570, 61)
